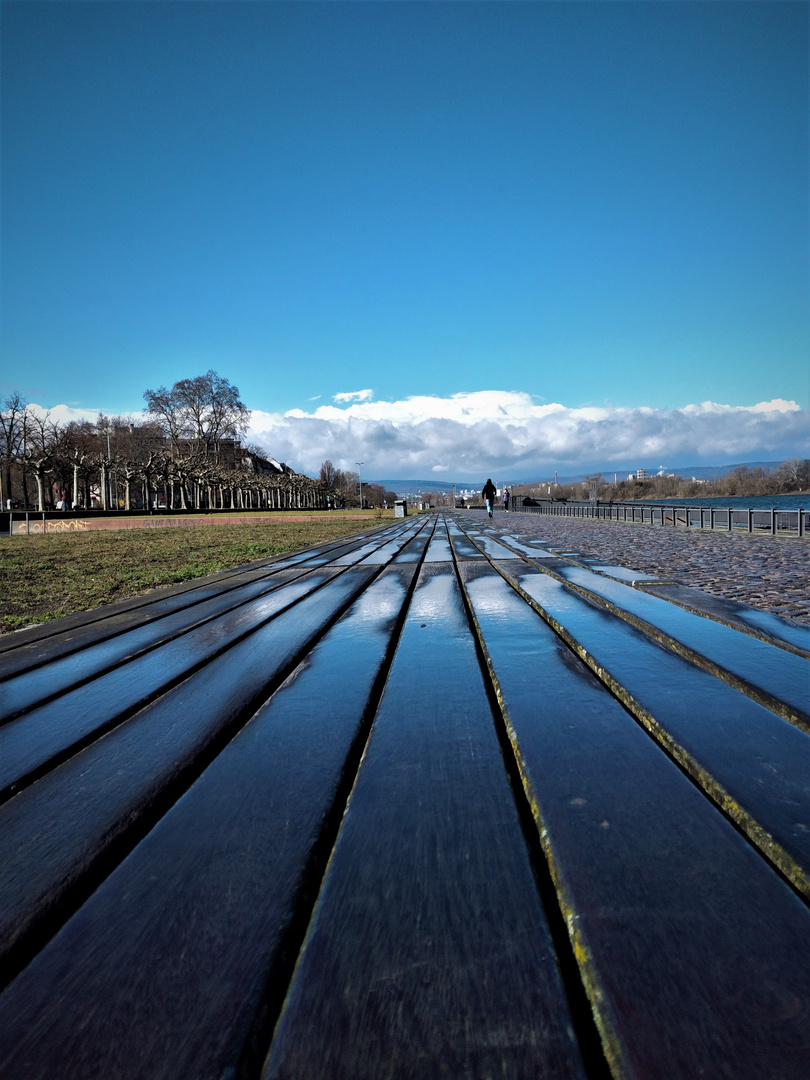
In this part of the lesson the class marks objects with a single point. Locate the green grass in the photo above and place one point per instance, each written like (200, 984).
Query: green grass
(44, 577)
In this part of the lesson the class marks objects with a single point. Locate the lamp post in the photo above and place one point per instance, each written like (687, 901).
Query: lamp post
(360, 478)
(109, 477)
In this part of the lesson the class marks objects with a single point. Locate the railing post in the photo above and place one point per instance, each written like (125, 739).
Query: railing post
(750, 519)
(773, 521)
(800, 530)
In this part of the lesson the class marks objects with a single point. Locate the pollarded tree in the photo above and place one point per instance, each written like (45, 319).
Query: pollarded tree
(40, 441)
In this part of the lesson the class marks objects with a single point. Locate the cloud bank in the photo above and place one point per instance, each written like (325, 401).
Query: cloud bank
(469, 434)
(466, 435)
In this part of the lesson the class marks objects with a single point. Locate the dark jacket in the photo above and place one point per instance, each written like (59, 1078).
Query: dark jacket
(489, 491)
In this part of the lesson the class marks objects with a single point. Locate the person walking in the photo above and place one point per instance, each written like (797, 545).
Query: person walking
(506, 499)
(488, 494)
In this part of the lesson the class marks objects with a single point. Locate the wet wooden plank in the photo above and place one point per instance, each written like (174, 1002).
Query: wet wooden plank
(86, 651)
(42, 738)
(462, 546)
(177, 964)
(696, 954)
(428, 954)
(398, 545)
(50, 678)
(76, 822)
(526, 546)
(778, 679)
(764, 624)
(487, 542)
(389, 544)
(71, 632)
(750, 761)
(83, 633)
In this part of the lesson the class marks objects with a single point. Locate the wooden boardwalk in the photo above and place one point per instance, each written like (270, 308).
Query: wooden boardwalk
(431, 802)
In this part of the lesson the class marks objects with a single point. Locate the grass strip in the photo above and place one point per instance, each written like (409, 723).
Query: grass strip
(45, 577)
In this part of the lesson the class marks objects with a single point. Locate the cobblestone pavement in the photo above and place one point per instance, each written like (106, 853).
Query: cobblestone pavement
(768, 572)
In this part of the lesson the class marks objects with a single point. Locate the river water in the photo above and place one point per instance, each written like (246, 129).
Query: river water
(756, 502)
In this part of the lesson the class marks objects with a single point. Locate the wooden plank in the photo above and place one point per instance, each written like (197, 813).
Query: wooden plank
(778, 679)
(79, 633)
(462, 546)
(439, 549)
(379, 553)
(60, 836)
(414, 552)
(75, 631)
(752, 763)
(177, 964)
(695, 952)
(526, 546)
(429, 953)
(50, 678)
(764, 624)
(488, 544)
(88, 651)
(398, 544)
(43, 738)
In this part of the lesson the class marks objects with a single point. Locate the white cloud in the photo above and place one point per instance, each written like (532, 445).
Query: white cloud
(353, 395)
(467, 434)
(65, 414)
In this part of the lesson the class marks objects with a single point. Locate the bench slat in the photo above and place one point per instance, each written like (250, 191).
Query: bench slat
(24, 691)
(213, 890)
(56, 834)
(41, 738)
(777, 678)
(696, 954)
(754, 764)
(428, 954)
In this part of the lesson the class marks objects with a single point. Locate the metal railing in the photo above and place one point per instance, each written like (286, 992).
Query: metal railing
(771, 520)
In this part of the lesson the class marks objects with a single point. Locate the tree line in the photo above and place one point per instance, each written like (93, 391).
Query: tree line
(791, 476)
(344, 489)
(186, 452)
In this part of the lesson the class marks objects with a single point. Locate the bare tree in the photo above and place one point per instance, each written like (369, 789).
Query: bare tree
(40, 439)
(166, 410)
(12, 417)
(327, 474)
(204, 411)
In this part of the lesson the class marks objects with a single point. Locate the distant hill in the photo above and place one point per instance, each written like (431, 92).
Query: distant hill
(413, 487)
(711, 472)
(700, 472)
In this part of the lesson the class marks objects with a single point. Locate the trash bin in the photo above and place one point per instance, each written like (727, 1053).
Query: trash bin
(401, 508)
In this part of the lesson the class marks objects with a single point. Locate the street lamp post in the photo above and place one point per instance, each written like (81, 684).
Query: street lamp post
(109, 476)
(360, 478)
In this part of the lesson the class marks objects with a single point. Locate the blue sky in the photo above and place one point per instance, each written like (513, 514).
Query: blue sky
(494, 207)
